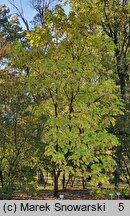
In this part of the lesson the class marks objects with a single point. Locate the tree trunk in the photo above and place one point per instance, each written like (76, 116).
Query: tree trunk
(1, 178)
(122, 72)
(68, 180)
(83, 183)
(56, 186)
(122, 85)
(117, 178)
(45, 180)
(63, 181)
(40, 177)
(72, 180)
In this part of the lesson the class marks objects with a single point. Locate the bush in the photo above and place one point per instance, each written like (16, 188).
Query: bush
(30, 189)
(7, 191)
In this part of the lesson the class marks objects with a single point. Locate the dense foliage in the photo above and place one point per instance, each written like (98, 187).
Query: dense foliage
(64, 93)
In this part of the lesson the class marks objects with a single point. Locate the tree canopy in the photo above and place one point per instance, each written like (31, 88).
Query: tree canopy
(64, 92)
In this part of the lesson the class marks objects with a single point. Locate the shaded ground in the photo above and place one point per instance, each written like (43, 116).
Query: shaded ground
(48, 195)
(68, 195)
(75, 193)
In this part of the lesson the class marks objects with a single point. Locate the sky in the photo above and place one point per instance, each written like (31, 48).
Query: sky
(28, 11)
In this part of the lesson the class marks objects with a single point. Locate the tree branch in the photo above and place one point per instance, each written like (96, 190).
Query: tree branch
(20, 13)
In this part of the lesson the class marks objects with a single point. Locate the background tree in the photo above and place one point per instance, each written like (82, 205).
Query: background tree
(116, 24)
(112, 17)
(9, 25)
(41, 8)
(19, 125)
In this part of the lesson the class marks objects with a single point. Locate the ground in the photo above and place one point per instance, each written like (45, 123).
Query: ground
(48, 195)
(38, 192)
(69, 194)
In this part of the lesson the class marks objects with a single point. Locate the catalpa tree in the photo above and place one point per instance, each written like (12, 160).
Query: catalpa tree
(80, 98)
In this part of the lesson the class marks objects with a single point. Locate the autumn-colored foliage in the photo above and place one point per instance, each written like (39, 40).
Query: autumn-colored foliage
(4, 48)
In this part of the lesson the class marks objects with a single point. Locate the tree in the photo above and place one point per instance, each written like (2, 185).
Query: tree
(9, 25)
(19, 126)
(59, 98)
(113, 17)
(3, 52)
(79, 109)
(4, 48)
(5, 38)
(41, 8)
(116, 24)
(20, 13)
